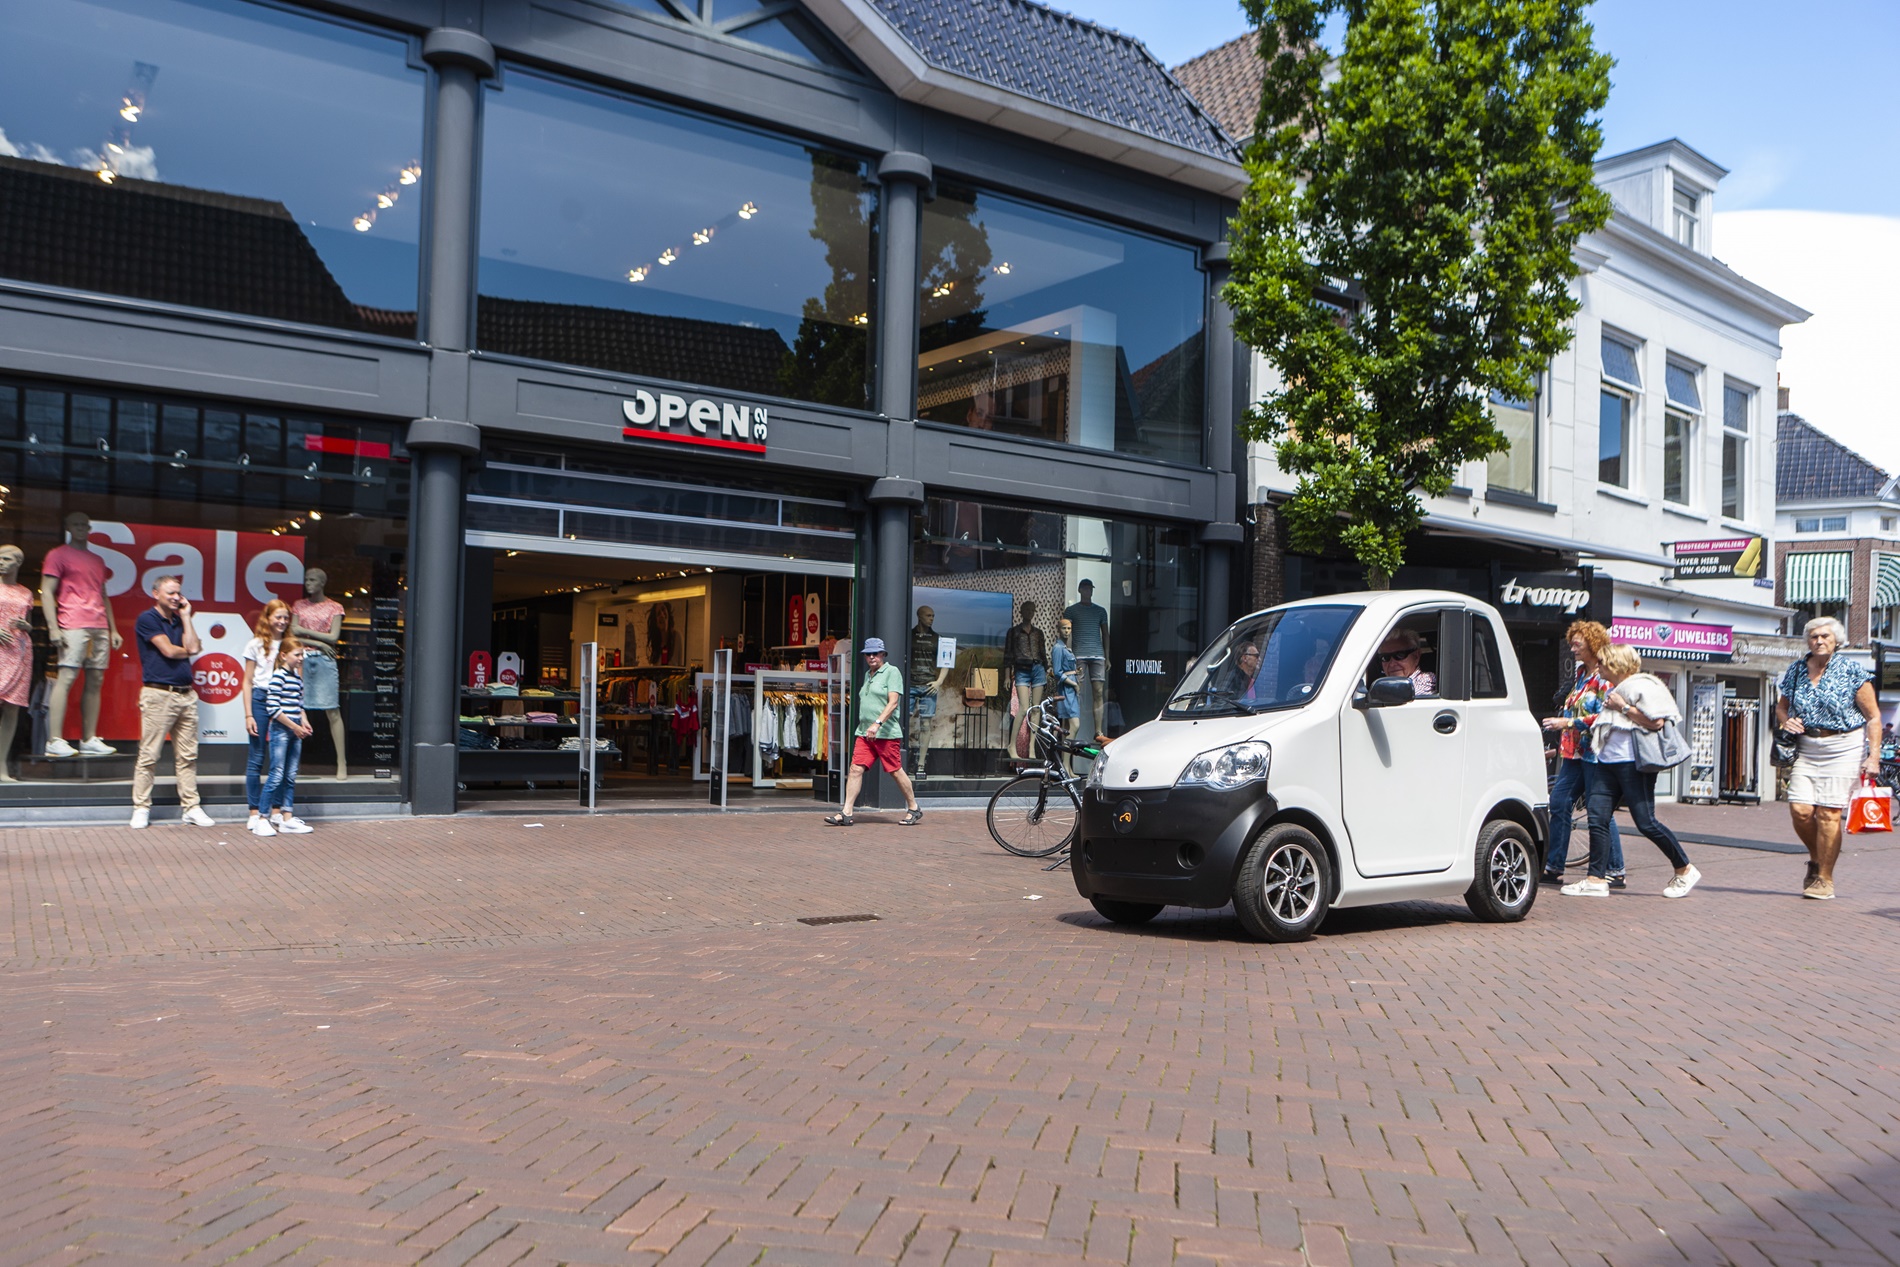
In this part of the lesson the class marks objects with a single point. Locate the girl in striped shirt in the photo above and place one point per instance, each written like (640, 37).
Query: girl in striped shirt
(283, 704)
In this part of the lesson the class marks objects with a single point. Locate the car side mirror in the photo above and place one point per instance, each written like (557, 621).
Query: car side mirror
(1385, 692)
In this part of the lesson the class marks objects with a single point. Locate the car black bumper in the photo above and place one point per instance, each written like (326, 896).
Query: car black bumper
(1175, 846)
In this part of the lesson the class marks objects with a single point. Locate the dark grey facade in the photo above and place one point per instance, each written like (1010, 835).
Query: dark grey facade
(457, 399)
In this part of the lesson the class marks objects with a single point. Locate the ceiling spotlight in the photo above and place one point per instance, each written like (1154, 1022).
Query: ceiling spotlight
(702, 236)
(668, 256)
(1002, 269)
(749, 210)
(362, 222)
(637, 274)
(108, 175)
(410, 174)
(386, 200)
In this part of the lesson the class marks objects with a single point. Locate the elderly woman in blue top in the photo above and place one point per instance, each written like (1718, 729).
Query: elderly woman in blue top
(1828, 702)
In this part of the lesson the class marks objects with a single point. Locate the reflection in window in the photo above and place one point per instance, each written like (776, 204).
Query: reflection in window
(1037, 323)
(212, 153)
(1514, 469)
(772, 24)
(1613, 436)
(1736, 403)
(632, 238)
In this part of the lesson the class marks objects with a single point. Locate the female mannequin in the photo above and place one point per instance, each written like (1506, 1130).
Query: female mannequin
(16, 649)
(1026, 662)
(317, 622)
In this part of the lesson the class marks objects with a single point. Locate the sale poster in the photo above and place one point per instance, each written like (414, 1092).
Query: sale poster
(228, 576)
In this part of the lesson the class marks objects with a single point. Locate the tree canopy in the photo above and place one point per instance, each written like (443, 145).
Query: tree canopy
(1432, 180)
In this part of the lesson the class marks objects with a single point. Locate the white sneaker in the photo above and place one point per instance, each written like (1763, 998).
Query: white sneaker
(198, 818)
(1679, 886)
(1589, 886)
(260, 826)
(97, 747)
(60, 748)
(294, 826)
(141, 818)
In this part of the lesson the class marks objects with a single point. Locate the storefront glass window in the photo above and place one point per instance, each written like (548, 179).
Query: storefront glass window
(244, 505)
(997, 581)
(628, 237)
(212, 153)
(1043, 324)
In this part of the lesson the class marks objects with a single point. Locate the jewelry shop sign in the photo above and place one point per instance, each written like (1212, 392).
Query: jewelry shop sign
(1720, 558)
(1675, 639)
(695, 420)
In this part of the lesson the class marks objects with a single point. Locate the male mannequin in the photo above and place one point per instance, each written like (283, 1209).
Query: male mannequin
(79, 623)
(16, 650)
(1026, 661)
(317, 622)
(926, 679)
(1090, 646)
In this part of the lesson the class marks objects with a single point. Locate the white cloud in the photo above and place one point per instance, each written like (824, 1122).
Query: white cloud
(7, 148)
(1845, 269)
(140, 162)
(34, 150)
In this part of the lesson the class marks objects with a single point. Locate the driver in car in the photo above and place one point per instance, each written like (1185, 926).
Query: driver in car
(1242, 675)
(1399, 656)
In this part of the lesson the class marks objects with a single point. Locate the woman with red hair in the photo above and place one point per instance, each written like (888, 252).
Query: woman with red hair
(1588, 641)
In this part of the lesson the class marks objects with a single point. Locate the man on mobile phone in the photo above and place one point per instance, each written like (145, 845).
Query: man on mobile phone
(168, 702)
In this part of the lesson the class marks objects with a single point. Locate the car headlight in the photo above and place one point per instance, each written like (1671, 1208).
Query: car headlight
(1228, 767)
(1095, 771)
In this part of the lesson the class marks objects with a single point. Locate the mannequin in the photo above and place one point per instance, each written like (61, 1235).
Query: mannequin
(79, 623)
(1090, 622)
(1062, 671)
(317, 622)
(1026, 661)
(16, 649)
(926, 680)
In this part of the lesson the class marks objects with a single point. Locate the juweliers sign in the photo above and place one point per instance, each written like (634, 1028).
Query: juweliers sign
(695, 420)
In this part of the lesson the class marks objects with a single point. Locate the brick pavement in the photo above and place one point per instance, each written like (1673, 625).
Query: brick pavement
(608, 1041)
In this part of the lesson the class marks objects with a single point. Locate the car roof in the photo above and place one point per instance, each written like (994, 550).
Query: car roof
(1380, 602)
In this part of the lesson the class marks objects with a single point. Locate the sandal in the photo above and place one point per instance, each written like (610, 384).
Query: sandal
(912, 817)
(838, 820)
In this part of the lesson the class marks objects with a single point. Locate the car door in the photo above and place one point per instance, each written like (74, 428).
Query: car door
(1402, 768)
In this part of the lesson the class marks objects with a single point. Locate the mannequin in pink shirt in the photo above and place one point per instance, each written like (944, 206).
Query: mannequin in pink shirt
(79, 623)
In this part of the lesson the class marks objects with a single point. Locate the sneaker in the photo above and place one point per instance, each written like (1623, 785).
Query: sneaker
(141, 818)
(1589, 886)
(1821, 890)
(97, 747)
(260, 826)
(60, 748)
(291, 825)
(1619, 882)
(198, 818)
(1680, 885)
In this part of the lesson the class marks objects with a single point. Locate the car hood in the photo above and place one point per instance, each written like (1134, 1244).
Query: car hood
(1153, 755)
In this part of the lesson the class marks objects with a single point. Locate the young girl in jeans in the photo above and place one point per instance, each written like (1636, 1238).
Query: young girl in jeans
(283, 702)
(260, 657)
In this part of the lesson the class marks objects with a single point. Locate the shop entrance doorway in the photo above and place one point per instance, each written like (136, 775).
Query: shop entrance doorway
(654, 624)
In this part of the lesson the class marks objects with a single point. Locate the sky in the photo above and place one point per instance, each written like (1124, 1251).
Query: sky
(1799, 102)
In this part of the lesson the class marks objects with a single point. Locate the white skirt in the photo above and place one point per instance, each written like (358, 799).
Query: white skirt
(1826, 769)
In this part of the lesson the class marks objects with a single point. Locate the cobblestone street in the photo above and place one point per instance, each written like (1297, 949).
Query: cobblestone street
(609, 1040)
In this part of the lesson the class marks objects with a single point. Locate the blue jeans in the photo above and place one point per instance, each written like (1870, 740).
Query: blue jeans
(258, 762)
(280, 785)
(1572, 781)
(1612, 782)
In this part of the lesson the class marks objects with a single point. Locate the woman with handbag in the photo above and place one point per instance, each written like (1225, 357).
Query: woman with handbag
(1827, 703)
(1637, 703)
(1587, 639)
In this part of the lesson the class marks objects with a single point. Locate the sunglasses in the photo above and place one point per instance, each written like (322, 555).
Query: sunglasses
(1386, 657)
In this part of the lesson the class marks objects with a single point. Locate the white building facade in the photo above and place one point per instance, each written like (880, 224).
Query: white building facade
(1651, 435)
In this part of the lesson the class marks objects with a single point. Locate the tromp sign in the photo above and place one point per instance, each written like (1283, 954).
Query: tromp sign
(695, 420)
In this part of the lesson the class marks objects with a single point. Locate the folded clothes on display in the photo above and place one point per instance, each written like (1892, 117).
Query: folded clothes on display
(544, 719)
(573, 744)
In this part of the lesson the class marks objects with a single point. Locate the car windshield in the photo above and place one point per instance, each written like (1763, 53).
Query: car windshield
(1276, 659)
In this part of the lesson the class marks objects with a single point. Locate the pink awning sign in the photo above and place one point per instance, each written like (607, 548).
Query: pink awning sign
(1674, 639)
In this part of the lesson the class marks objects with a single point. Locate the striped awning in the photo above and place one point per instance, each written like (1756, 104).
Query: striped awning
(1887, 580)
(1820, 578)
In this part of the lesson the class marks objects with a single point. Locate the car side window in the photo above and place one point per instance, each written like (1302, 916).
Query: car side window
(1487, 666)
(1410, 649)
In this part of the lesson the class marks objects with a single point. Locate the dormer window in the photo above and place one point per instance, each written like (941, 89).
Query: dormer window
(1686, 220)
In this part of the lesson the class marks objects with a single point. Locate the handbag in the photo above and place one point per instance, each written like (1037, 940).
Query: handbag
(1870, 808)
(1663, 749)
(1782, 754)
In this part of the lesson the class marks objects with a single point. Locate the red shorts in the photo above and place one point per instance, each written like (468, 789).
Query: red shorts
(887, 752)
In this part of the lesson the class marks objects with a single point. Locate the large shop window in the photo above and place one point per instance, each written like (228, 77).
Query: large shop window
(245, 505)
(1037, 323)
(628, 237)
(212, 153)
(992, 586)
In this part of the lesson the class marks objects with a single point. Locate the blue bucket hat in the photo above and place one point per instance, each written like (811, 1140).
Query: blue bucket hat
(872, 645)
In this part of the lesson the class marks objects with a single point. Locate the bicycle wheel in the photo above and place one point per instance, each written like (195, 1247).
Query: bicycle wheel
(1033, 816)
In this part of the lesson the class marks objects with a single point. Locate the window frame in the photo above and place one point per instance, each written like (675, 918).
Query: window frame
(1535, 407)
(1686, 416)
(1631, 396)
(1689, 216)
(1739, 441)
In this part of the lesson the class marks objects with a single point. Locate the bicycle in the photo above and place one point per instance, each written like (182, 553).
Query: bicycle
(1039, 811)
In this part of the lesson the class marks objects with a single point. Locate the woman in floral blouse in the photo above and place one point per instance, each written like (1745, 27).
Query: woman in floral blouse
(1588, 640)
(1828, 702)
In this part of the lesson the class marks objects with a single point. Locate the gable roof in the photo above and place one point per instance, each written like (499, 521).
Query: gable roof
(1811, 465)
(1041, 73)
(1226, 80)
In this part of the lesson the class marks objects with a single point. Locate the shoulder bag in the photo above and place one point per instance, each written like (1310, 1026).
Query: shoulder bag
(1663, 749)
(1782, 755)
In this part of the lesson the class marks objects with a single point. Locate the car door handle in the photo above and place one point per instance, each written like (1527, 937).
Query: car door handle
(1445, 722)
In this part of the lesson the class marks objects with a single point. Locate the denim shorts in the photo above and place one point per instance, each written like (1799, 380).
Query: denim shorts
(1034, 675)
(923, 702)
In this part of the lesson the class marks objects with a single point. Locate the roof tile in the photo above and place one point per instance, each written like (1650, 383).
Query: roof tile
(1811, 465)
(1226, 80)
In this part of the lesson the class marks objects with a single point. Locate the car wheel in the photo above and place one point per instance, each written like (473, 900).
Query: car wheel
(1285, 884)
(1127, 913)
(1504, 882)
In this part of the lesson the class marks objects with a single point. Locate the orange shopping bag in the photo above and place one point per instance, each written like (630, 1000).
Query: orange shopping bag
(1870, 808)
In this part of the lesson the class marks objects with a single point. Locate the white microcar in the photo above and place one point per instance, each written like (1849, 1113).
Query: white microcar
(1295, 771)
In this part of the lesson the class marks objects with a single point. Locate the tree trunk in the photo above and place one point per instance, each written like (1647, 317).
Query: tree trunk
(1377, 578)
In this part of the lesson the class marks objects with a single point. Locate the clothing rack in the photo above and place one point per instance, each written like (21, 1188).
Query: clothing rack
(812, 688)
(1740, 762)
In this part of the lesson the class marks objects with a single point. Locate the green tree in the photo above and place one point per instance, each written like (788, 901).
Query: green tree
(1439, 172)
